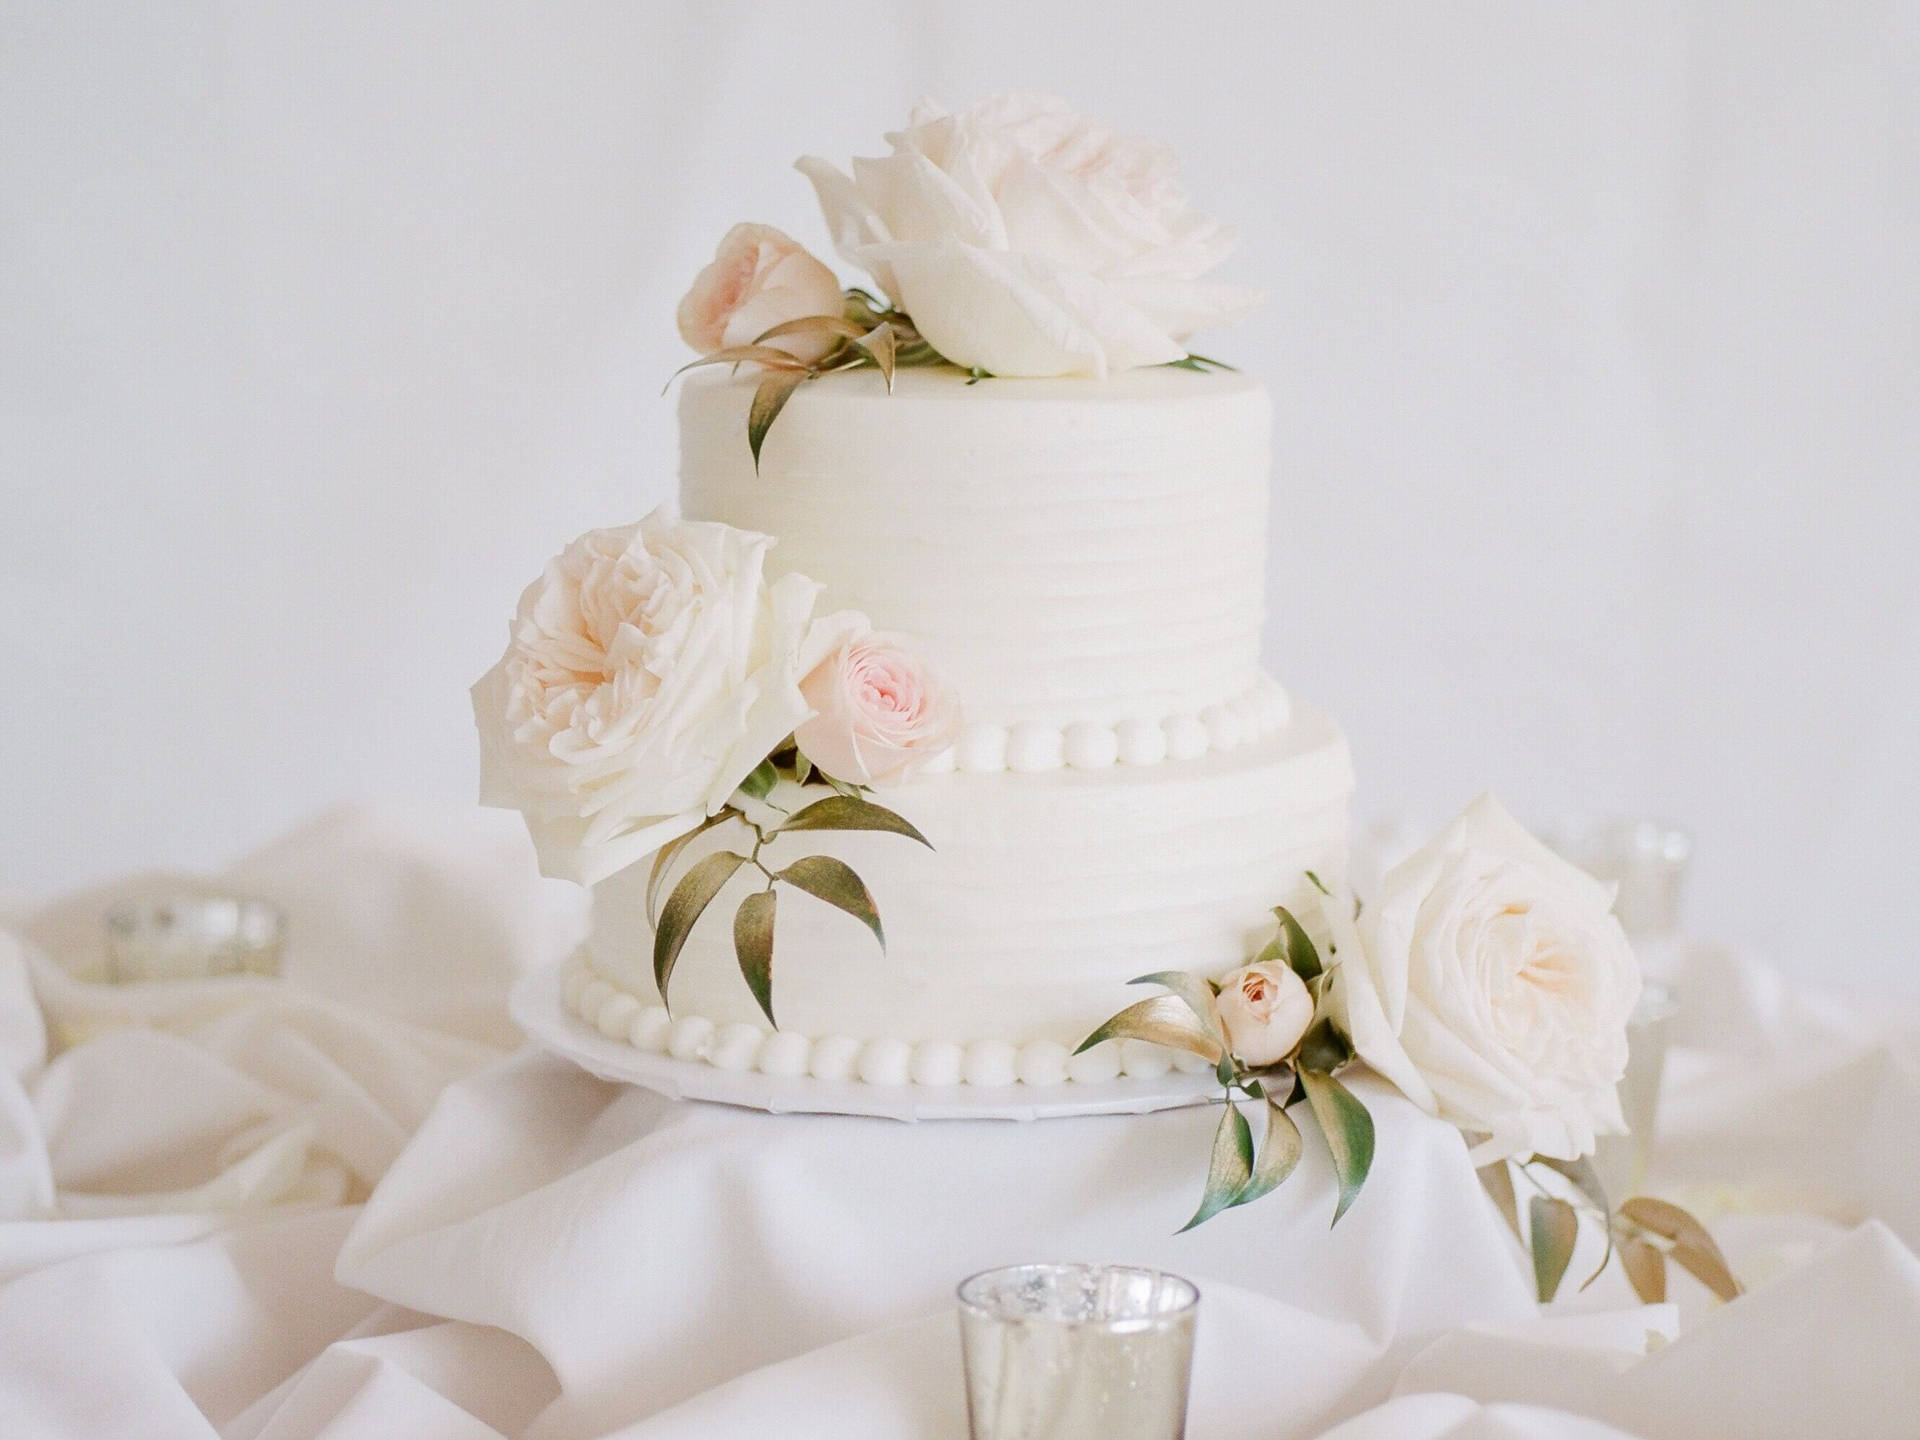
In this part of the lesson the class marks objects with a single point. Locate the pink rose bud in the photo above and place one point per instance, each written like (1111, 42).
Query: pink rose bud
(877, 712)
(1265, 1009)
(759, 278)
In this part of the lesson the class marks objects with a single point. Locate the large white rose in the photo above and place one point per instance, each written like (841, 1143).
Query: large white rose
(1489, 980)
(1029, 240)
(650, 669)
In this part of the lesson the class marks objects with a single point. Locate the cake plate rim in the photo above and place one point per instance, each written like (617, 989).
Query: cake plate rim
(537, 1006)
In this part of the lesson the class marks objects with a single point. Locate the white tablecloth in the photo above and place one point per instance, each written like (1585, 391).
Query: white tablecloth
(342, 1205)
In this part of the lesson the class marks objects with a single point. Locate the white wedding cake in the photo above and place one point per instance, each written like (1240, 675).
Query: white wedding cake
(1085, 563)
(1047, 524)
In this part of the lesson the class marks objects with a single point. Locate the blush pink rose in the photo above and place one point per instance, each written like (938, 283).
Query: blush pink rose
(760, 277)
(1265, 1009)
(877, 712)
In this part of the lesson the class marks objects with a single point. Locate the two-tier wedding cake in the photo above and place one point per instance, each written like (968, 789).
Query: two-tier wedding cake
(927, 742)
(1007, 470)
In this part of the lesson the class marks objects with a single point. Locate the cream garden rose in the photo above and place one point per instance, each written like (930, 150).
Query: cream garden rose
(651, 668)
(1489, 981)
(1264, 1009)
(759, 278)
(1027, 239)
(878, 712)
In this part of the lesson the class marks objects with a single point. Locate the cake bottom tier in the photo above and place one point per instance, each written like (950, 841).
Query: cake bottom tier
(1009, 940)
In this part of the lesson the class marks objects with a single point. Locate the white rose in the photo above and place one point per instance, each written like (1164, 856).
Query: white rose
(760, 277)
(1029, 240)
(1490, 982)
(650, 669)
(1264, 1009)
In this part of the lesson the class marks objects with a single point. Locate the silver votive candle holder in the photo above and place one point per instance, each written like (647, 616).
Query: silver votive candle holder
(1077, 1352)
(193, 937)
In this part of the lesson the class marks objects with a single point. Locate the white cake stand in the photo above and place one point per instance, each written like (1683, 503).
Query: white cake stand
(538, 1008)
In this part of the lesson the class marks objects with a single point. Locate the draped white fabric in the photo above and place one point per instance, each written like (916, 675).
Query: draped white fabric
(340, 1205)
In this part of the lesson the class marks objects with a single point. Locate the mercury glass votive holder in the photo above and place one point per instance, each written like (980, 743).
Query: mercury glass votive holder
(193, 937)
(1077, 1352)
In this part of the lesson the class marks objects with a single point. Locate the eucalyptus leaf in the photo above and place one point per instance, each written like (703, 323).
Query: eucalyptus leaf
(759, 784)
(879, 343)
(1297, 945)
(802, 766)
(768, 401)
(1555, 1228)
(665, 856)
(850, 812)
(1194, 992)
(1279, 1153)
(1228, 1169)
(1349, 1131)
(753, 947)
(1163, 1020)
(1646, 1269)
(689, 899)
(835, 882)
(1497, 1180)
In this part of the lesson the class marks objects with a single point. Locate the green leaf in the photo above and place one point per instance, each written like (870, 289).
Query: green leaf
(1195, 992)
(1349, 1131)
(802, 766)
(1497, 1180)
(665, 856)
(834, 881)
(1555, 1228)
(1279, 1153)
(1324, 1048)
(768, 401)
(975, 375)
(753, 947)
(1319, 884)
(1210, 361)
(766, 355)
(1708, 1266)
(1297, 945)
(760, 783)
(879, 343)
(812, 325)
(1229, 1169)
(689, 899)
(1646, 1269)
(849, 812)
(1163, 1020)
(1693, 1248)
(1585, 1179)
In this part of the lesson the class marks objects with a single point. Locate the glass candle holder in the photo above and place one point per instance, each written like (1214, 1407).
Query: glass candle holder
(1077, 1352)
(193, 937)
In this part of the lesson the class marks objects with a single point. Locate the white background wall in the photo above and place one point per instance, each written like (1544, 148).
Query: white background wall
(1594, 336)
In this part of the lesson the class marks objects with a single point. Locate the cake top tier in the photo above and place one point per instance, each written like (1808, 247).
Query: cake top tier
(1068, 554)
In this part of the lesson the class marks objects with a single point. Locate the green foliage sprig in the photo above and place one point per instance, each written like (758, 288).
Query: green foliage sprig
(1187, 1018)
(868, 333)
(823, 877)
(1644, 1232)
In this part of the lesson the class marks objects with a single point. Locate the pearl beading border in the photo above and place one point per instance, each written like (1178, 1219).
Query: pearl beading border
(738, 1046)
(1031, 748)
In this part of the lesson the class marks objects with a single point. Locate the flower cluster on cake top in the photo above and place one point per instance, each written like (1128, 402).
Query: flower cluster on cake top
(1018, 238)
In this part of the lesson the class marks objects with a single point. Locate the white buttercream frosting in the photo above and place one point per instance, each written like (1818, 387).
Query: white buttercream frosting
(1064, 553)
(1044, 895)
